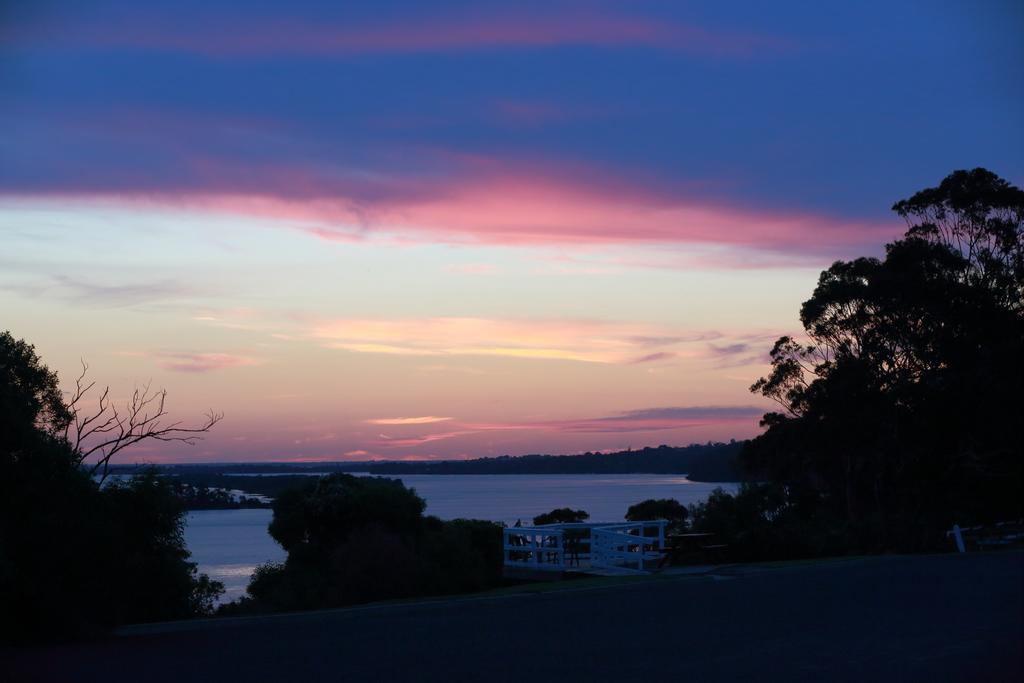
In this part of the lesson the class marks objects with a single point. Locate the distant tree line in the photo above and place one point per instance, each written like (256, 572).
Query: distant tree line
(700, 462)
(249, 468)
(708, 462)
(204, 487)
(192, 482)
(194, 497)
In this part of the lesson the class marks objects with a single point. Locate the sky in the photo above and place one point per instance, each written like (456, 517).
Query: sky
(407, 230)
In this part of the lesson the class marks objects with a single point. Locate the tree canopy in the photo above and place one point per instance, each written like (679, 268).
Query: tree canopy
(561, 516)
(326, 511)
(30, 398)
(900, 406)
(668, 509)
(74, 556)
(356, 539)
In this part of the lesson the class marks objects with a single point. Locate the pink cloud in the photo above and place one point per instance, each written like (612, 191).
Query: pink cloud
(633, 421)
(643, 420)
(200, 362)
(654, 357)
(657, 419)
(532, 211)
(513, 209)
(487, 201)
(580, 340)
(329, 436)
(406, 442)
(543, 203)
(428, 419)
(575, 340)
(242, 36)
(742, 352)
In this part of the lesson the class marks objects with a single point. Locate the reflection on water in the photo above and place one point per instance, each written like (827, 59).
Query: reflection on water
(228, 544)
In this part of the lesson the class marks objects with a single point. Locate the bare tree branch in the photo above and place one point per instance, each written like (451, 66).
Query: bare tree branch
(101, 434)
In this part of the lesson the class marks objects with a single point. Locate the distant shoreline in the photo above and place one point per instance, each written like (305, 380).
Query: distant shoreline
(708, 463)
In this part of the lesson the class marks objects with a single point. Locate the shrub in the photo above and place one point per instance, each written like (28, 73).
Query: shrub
(668, 509)
(561, 516)
(769, 522)
(358, 539)
(75, 559)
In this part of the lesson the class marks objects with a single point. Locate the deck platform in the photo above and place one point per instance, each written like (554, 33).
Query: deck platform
(547, 552)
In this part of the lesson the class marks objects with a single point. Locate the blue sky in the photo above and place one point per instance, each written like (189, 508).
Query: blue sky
(457, 207)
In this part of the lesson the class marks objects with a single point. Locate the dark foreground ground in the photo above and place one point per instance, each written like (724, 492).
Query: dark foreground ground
(927, 618)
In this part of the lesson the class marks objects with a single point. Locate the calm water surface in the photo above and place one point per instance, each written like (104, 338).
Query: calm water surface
(228, 544)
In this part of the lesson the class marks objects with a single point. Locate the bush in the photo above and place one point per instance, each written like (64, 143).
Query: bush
(144, 535)
(75, 559)
(316, 517)
(769, 522)
(668, 509)
(561, 516)
(354, 539)
(465, 554)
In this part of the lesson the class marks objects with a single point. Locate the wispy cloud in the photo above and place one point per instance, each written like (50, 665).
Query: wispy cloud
(654, 357)
(468, 200)
(96, 294)
(540, 206)
(750, 351)
(657, 419)
(590, 341)
(225, 35)
(411, 441)
(575, 340)
(180, 361)
(427, 419)
(632, 421)
(315, 438)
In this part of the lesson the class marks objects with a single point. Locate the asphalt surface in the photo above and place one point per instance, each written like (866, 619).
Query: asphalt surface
(901, 618)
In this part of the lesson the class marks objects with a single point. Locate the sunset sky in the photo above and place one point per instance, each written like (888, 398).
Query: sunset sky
(389, 230)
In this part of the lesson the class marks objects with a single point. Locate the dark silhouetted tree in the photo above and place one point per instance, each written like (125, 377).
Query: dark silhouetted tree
(668, 509)
(97, 435)
(562, 516)
(75, 557)
(358, 539)
(31, 402)
(901, 409)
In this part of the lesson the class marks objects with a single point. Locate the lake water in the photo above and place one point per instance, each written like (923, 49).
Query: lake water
(228, 544)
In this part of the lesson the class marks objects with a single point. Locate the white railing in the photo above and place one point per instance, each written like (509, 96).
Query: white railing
(536, 547)
(629, 546)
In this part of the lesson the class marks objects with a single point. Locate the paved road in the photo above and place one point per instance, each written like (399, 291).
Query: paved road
(903, 618)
